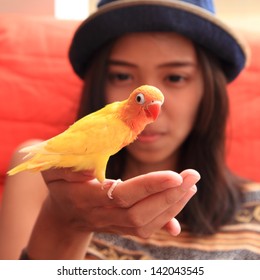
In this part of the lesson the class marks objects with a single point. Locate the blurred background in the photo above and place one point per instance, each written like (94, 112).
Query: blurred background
(239, 13)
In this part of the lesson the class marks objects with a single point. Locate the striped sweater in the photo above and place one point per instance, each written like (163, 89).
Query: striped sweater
(239, 240)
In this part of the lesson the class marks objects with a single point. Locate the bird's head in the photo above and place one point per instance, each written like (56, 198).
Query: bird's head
(148, 100)
(143, 106)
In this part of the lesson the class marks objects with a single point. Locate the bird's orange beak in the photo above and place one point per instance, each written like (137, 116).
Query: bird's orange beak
(153, 109)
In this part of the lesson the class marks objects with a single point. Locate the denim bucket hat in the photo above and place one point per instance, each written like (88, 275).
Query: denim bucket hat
(194, 19)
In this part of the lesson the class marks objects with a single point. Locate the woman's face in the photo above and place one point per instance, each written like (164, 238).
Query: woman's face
(167, 61)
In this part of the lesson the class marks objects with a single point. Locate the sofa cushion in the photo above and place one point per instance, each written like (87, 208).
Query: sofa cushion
(39, 90)
(243, 142)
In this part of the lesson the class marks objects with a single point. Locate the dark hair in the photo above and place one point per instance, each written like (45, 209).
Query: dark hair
(219, 191)
(219, 194)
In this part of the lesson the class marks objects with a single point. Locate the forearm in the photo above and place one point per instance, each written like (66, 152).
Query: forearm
(53, 238)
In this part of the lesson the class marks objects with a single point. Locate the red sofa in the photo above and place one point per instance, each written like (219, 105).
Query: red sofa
(39, 93)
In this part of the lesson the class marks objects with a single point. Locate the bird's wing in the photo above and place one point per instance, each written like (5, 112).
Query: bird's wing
(99, 132)
(99, 136)
(105, 134)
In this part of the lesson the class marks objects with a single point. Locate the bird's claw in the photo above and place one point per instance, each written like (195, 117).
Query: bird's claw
(112, 187)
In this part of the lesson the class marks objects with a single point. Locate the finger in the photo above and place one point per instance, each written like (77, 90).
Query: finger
(145, 211)
(67, 174)
(136, 189)
(162, 220)
(146, 230)
(171, 202)
(156, 203)
(173, 227)
(130, 192)
(190, 178)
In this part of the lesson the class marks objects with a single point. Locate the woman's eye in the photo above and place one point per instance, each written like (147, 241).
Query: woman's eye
(119, 77)
(175, 78)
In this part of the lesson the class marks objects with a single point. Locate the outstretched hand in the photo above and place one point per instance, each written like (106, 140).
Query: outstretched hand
(141, 205)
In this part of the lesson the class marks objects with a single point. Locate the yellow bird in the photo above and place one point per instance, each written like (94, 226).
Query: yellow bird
(89, 142)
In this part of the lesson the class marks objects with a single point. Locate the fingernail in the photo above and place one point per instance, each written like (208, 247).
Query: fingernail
(190, 180)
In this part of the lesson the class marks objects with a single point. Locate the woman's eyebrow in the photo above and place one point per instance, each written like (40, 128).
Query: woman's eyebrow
(120, 63)
(167, 64)
(178, 64)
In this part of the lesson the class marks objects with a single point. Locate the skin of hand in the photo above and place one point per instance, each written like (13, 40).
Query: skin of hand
(77, 206)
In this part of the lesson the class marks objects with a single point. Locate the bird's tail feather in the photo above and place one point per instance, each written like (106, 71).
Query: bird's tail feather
(34, 164)
(33, 149)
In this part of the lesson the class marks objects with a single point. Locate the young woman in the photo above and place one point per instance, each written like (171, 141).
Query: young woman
(181, 48)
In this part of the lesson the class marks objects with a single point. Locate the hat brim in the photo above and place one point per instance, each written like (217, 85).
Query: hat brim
(120, 17)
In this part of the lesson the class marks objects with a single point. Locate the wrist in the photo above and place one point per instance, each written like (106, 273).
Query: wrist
(54, 237)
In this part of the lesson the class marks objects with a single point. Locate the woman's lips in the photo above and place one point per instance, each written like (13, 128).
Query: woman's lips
(148, 137)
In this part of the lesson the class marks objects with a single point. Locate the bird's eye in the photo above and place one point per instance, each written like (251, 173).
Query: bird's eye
(140, 98)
